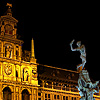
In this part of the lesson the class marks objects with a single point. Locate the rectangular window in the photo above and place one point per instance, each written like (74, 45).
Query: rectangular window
(57, 96)
(63, 97)
(45, 95)
(48, 95)
(66, 98)
(54, 96)
(39, 94)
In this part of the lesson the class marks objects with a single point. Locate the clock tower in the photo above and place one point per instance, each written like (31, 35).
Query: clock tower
(18, 78)
(10, 46)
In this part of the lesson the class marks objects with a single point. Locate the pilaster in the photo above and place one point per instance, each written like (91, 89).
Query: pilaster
(19, 52)
(1, 91)
(14, 51)
(2, 49)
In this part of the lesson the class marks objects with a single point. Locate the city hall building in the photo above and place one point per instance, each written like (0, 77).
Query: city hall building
(18, 70)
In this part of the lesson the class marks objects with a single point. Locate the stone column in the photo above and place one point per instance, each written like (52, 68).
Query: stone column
(20, 97)
(69, 87)
(12, 96)
(14, 93)
(69, 98)
(17, 98)
(52, 85)
(32, 93)
(61, 87)
(2, 49)
(14, 72)
(14, 51)
(19, 52)
(1, 76)
(43, 83)
(1, 92)
(30, 96)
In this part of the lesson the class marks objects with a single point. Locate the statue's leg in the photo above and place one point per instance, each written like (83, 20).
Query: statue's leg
(80, 66)
(83, 63)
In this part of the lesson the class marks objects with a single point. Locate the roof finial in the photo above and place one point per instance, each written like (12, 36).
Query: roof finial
(9, 5)
(9, 12)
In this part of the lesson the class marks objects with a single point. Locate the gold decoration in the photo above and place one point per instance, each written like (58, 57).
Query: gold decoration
(8, 69)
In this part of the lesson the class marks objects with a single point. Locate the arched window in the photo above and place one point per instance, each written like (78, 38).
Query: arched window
(8, 50)
(17, 53)
(25, 74)
(8, 29)
(16, 73)
(25, 95)
(6, 93)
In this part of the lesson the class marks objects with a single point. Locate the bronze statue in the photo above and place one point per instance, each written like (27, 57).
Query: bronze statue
(82, 50)
(85, 86)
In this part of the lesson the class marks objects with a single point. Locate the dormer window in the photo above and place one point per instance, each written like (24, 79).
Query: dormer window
(8, 29)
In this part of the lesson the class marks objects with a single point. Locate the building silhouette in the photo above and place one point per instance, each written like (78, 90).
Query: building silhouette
(22, 78)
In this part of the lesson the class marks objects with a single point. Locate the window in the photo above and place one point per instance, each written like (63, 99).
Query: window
(7, 94)
(17, 52)
(8, 29)
(16, 73)
(72, 98)
(56, 97)
(25, 95)
(63, 97)
(8, 50)
(47, 96)
(66, 98)
(39, 94)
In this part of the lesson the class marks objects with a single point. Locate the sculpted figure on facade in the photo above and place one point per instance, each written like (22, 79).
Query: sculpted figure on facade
(8, 69)
(8, 51)
(85, 86)
(26, 74)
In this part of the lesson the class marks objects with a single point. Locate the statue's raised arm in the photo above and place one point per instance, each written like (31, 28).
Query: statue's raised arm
(71, 43)
(73, 49)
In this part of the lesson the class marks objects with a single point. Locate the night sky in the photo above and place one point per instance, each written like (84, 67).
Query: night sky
(53, 25)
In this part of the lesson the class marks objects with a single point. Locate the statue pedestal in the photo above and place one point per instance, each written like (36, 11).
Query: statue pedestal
(86, 87)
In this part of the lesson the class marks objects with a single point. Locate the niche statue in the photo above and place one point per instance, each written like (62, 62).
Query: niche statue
(85, 86)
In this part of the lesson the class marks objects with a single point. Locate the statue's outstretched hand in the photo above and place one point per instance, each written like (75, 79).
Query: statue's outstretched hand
(72, 42)
(97, 82)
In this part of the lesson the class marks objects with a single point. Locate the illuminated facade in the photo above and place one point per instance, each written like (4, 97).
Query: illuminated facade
(18, 70)
(18, 78)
